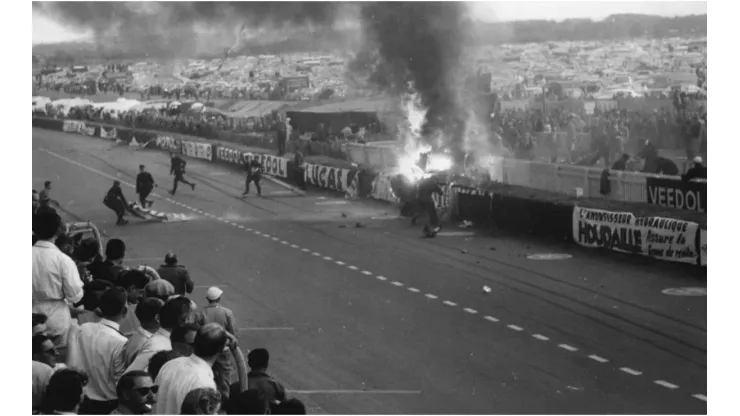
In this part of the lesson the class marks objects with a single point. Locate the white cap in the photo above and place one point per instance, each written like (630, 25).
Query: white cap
(214, 293)
(698, 160)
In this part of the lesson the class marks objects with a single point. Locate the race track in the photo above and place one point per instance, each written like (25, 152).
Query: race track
(374, 319)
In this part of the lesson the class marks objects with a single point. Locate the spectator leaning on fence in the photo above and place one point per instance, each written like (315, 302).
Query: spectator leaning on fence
(55, 279)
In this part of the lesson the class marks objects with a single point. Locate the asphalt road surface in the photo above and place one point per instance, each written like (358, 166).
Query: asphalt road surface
(373, 319)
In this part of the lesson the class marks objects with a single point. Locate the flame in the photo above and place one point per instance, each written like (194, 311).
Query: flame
(414, 115)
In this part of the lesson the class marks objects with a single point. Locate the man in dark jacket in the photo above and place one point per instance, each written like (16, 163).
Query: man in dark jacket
(254, 174)
(177, 168)
(258, 379)
(621, 164)
(115, 200)
(144, 186)
(698, 171)
(428, 187)
(176, 274)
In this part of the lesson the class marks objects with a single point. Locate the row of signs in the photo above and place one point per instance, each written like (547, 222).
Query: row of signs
(660, 238)
(273, 165)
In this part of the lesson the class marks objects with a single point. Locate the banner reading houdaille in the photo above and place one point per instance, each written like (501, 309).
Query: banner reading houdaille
(661, 238)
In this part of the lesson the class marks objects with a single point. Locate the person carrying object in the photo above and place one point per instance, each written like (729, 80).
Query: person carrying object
(177, 168)
(144, 186)
(254, 174)
(115, 200)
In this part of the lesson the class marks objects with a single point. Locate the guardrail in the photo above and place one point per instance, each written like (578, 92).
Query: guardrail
(560, 178)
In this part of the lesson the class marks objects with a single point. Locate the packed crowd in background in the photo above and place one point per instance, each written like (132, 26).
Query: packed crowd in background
(108, 339)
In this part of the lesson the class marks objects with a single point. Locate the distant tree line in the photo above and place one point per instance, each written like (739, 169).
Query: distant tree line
(615, 27)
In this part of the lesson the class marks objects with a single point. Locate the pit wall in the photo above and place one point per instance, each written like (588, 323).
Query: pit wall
(666, 239)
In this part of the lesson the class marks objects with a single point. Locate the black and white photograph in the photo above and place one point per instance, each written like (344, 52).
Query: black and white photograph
(403, 207)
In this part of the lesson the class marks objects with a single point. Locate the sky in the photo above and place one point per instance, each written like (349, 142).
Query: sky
(46, 30)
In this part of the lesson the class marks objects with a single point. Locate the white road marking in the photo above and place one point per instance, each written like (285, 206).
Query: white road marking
(294, 246)
(413, 289)
(395, 283)
(341, 263)
(367, 273)
(599, 359)
(490, 318)
(686, 291)
(515, 328)
(449, 303)
(354, 391)
(630, 371)
(381, 277)
(567, 347)
(470, 311)
(327, 258)
(275, 239)
(249, 229)
(316, 254)
(257, 232)
(332, 203)
(666, 384)
(305, 250)
(284, 242)
(540, 337)
(274, 328)
(266, 235)
(353, 267)
(241, 226)
(430, 296)
(700, 397)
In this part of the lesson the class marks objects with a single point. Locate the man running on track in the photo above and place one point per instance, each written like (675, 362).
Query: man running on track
(144, 186)
(254, 174)
(177, 168)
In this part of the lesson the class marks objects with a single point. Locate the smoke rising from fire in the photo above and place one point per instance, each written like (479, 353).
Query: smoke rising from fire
(184, 29)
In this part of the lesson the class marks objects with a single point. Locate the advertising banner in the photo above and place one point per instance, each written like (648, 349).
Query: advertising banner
(691, 196)
(328, 177)
(661, 238)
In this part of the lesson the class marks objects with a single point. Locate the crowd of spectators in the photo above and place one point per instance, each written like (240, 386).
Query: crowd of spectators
(108, 339)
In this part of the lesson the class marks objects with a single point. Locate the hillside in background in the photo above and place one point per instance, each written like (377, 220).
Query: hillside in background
(615, 27)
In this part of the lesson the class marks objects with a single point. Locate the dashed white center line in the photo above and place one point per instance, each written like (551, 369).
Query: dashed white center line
(666, 384)
(257, 232)
(327, 258)
(449, 303)
(341, 263)
(294, 246)
(381, 277)
(567, 347)
(316, 254)
(305, 250)
(367, 273)
(353, 267)
(700, 397)
(249, 229)
(284, 242)
(395, 283)
(470, 311)
(630, 371)
(490, 318)
(275, 239)
(515, 328)
(266, 235)
(241, 226)
(598, 359)
(430, 296)
(413, 289)
(540, 337)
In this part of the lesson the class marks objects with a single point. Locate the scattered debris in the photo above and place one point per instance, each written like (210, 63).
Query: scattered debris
(466, 224)
(463, 251)
(358, 225)
(492, 248)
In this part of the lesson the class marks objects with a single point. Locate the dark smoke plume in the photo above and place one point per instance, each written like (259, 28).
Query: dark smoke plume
(422, 43)
(183, 29)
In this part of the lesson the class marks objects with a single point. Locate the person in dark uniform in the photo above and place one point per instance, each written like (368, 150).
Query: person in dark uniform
(698, 171)
(254, 174)
(115, 200)
(144, 186)
(177, 168)
(300, 169)
(428, 187)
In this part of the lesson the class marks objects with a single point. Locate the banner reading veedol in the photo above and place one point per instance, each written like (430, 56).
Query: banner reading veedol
(673, 193)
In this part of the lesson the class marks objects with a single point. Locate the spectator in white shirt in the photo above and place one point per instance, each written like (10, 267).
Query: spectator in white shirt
(182, 375)
(169, 318)
(134, 281)
(56, 281)
(98, 350)
(64, 392)
(147, 312)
